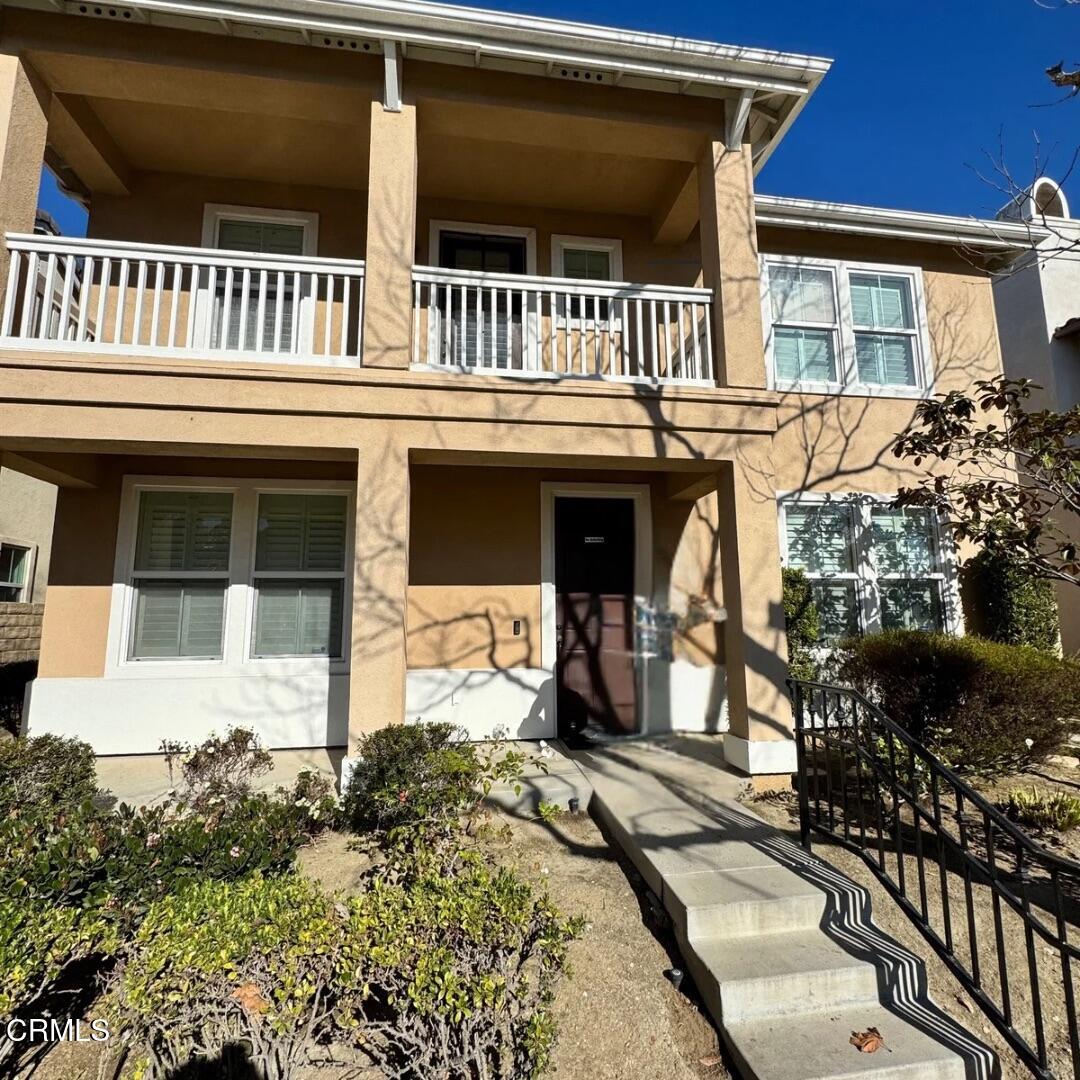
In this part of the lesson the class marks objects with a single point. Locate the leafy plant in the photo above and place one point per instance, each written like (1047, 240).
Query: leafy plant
(1043, 810)
(549, 811)
(47, 773)
(803, 624)
(985, 707)
(1015, 476)
(219, 768)
(409, 775)
(1005, 602)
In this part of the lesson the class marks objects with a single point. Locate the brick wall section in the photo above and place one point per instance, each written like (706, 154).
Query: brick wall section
(20, 632)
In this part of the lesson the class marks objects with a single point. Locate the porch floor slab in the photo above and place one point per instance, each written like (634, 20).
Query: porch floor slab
(781, 946)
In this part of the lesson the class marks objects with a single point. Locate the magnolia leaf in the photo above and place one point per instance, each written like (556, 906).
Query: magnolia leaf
(868, 1041)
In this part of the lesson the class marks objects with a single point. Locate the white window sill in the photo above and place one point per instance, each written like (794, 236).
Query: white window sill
(910, 393)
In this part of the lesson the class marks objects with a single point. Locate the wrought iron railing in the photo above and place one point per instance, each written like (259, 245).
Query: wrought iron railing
(996, 906)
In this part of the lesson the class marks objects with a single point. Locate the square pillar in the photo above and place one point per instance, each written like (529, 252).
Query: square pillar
(24, 123)
(391, 237)
(379, 588)
(729, 262)
(759, 739)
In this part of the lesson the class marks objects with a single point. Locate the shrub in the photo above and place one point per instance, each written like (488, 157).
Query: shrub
(984, 707)
(1004, 602)
(436, 974)
(43, 946)
(803, 624)
(411, 774)
(266, 962)
(47, 773)
(219, 768)
(1043, 810)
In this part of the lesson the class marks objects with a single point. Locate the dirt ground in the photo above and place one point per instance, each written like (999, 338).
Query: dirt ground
(619, 1016)
(781, 810)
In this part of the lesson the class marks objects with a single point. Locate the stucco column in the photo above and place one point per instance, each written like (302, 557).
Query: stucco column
(759, 739)
(380, 581)
(391, 237)
(24, 123)
(729, 262)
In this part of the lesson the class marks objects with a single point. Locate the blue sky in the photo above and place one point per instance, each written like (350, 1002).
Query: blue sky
(919, 92)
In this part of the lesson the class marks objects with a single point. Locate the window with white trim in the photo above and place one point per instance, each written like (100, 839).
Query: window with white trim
(871, 565)
(14, 572)
(838, 326)
(181, 575)
(299, 578)
(587, 258)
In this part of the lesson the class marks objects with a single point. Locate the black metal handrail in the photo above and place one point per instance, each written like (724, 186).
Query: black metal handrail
(865, 782)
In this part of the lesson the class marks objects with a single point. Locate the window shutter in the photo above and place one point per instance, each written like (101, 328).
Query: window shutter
(301, 532)
(298, 618)
(819, 538)
(903, 540)
(881, 302)
(178, 618)
(804, 354)
(587, 264)
(885, 359)
(181, 530)
(265, 237)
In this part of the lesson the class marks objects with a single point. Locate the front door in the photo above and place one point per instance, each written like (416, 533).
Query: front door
(594, 586)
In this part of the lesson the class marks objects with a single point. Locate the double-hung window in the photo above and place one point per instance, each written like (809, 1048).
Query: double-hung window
(836, 326)
(872, 566)
(586, 258)
(14, 572)
(299, 575)
(181, 574)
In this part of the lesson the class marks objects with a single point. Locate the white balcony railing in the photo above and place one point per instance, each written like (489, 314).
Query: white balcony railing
(510, 324)
(76, 295)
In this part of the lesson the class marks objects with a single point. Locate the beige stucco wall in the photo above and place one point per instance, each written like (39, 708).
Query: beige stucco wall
(27, 506)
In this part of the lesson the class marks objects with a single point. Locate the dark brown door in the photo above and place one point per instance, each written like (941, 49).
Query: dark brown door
(594, 584)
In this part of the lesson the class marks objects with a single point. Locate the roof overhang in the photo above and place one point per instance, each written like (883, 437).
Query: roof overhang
(775, 85)
(976, 234)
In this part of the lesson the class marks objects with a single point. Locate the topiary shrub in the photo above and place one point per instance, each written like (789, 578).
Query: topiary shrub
(1004, 602)
(803, 624)
(45, 773)
(984, 707)
(408, 774)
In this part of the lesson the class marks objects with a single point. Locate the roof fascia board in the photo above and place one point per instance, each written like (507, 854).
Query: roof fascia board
(900, 224)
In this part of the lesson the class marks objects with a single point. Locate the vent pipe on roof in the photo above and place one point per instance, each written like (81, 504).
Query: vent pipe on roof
(1044, 199)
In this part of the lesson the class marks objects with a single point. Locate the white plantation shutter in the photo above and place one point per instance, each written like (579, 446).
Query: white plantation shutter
(819, 538)
(181, 530)
(804, 355)
(885, 360)
(883, 302)
(801, 294)
(181, 573)
(300, 563)
(902, 540)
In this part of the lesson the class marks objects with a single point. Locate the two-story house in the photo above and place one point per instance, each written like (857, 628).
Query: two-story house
(424, 362)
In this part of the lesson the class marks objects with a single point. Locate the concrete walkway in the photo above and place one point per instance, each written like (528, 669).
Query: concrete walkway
(780, 945)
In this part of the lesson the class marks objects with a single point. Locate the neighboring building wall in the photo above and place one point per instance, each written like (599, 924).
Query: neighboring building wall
(20, 632)
(1034, 298)
(27, 507)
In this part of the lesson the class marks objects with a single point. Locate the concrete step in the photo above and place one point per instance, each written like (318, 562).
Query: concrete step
(780, 974)
(815, 1046)
(741, 903)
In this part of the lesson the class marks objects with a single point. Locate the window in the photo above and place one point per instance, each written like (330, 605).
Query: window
(299, 575)
(805, 330)
(235, 321)
(181, 573)
(14, 572)
(872, 566)
(839, 326)
(586, 258)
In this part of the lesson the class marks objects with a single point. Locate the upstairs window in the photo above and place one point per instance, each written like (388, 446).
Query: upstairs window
(836, 327)
(871, 566)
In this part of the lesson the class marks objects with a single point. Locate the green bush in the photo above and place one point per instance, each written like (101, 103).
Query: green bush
(984, 707)
(1004, 602)
(803, 624)
(1043, 810)
(47, 773)
(437, 974)
(409, 774)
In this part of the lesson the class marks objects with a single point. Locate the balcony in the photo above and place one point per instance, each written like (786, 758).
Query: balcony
(546, 327)
(73, 295)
